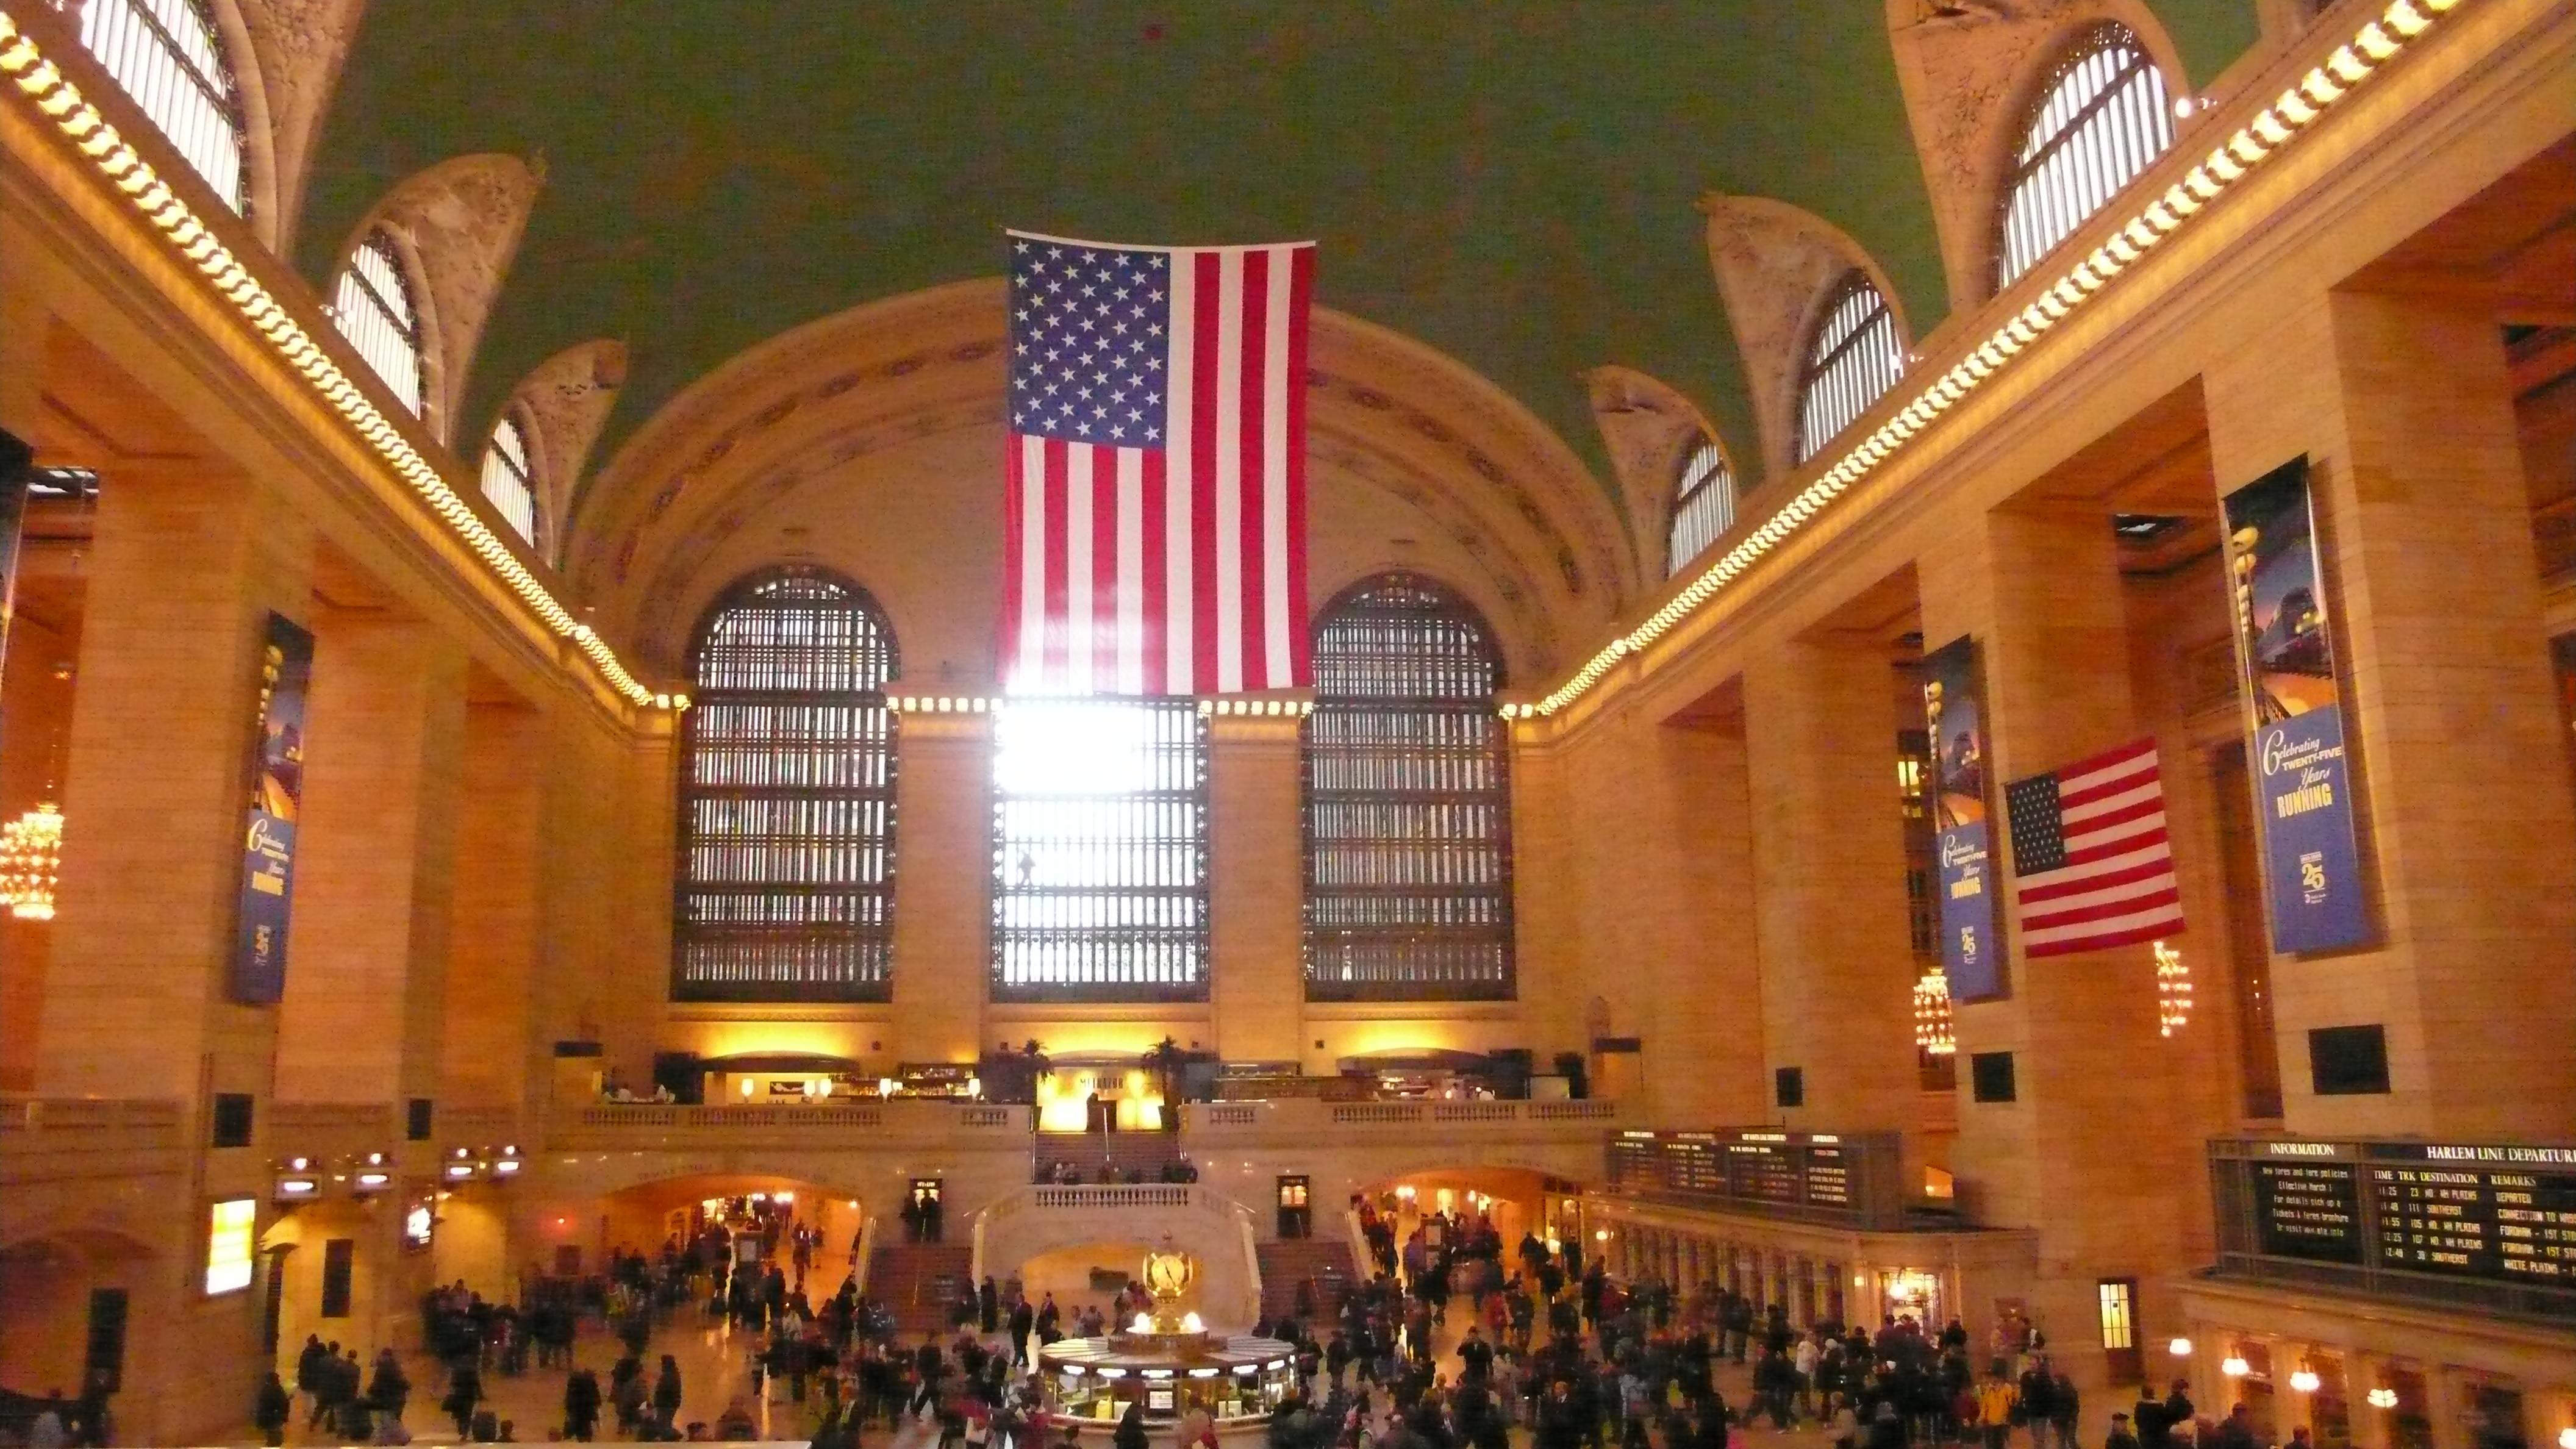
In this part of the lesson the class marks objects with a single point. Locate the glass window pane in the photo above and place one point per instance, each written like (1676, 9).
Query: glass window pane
(2102, 116)
(1100, 850)
(1407, 801)
(166, 55)
(787, 797)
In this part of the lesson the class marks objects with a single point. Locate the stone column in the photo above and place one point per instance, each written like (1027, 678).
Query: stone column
(185, 566)
(2361, 1374)
(2091, 1153)
(366, 977)
(367, 946)
(1829, 872)
(1256, 888)
(2402, 404)
(492, 1046)
(943, 913)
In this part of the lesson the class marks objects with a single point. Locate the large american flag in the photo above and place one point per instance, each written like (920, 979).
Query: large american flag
(1156, 512)
(2092, 866)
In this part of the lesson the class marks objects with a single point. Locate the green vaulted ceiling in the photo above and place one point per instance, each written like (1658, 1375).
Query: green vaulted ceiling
(1511, 181)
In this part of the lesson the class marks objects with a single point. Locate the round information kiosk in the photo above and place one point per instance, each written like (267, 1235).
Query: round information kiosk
(1167, 1362)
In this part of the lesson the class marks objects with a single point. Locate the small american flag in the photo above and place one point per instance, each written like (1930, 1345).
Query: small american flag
(2092, 866)
(1156, 500)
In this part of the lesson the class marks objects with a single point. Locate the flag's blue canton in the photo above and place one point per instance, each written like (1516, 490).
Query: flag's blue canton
(1090, 332)
(2038, 827)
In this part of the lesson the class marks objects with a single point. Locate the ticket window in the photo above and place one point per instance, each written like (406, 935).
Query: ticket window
(2491, 1417)
(1296, 1211)
(2410, 1419)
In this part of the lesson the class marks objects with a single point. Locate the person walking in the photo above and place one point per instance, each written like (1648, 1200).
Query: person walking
(1996, 1401)
(666, 1393)
(464, 1391)
(271, 1411)
(581, 1405)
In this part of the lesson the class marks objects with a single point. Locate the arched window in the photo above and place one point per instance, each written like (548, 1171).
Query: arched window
(167, 56)
(1407, 801)
(1100, 850)
(1854, 358)
(1703, 503)
(786, 889)
(507, 479)
(2101, 118)
(374, 310)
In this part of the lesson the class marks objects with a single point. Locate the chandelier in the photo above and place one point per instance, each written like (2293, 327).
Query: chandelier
(1932, 1015)
(2173, 991)
(31, 851)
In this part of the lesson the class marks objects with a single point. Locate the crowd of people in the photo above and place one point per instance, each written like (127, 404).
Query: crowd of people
(1550, 1345)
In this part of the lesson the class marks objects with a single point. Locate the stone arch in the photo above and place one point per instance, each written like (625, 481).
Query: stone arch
(297, 48)
(1648, 426)
(1776, 265)
(562, 404)
(456, 227)
(865, 394)
(1968, 79)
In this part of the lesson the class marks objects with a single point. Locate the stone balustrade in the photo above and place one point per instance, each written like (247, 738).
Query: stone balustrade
(1471, 1121)
(820, 1125)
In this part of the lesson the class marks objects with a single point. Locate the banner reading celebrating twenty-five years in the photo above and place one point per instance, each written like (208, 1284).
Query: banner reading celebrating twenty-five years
(276, 801)
(1972, 955)
(2302, 779)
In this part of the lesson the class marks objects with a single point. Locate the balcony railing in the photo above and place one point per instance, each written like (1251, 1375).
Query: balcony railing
(819, 1124)
(46, 1139)
(1551, 1121)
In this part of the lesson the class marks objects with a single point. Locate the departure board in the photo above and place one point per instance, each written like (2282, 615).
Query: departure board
(2444, 1214)
(1812, 1175)
(2500, 1213)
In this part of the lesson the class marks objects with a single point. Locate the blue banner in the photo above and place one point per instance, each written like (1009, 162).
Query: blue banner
(277, 795)
(2302, 776)
(1972, 954)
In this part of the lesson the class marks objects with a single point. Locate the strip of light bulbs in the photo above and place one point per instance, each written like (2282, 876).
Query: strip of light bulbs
(60, 101)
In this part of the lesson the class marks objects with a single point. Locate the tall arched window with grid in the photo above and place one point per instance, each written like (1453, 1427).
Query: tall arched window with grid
(373, 307)
(1703, 503)
(1407, 796)
(786, 889)
(509, 481)
(1853, 358)
(169, 57)
(2101, 116)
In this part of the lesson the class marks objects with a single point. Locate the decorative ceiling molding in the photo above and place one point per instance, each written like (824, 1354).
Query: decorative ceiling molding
(1969, 80)
(288, 72)
(566, 400)
(460, 223)
(1648, 427)
(1384, 409)
(1774, 263)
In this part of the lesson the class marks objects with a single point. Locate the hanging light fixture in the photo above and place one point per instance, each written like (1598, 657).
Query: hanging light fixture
(31, 855)
(2173, 991)
(1932, 1015)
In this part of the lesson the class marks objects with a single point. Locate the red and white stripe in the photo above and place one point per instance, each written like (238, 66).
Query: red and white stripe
(1178, 569)
(2117, 886)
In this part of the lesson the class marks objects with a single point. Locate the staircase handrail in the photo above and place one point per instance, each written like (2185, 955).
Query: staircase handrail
(866, 1251)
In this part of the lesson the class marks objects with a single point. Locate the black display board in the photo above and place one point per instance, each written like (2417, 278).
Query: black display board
(2474, 1216)
(2395, 1217)
(1811, 1175)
